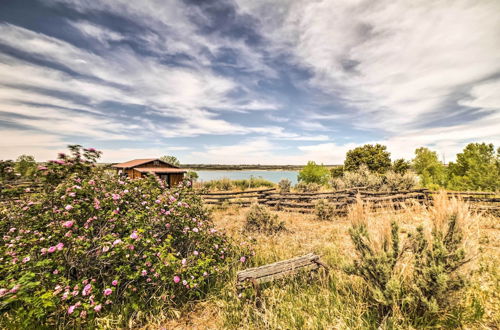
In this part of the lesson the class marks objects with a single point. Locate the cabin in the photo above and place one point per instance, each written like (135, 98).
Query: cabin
(139, 168)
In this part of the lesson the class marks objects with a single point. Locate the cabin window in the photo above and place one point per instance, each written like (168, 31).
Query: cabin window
(156, 162)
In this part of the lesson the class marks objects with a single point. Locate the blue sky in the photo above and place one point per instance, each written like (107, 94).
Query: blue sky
(269, 82)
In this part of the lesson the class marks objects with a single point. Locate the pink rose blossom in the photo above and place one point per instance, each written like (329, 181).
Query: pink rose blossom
(183, 262)
(71, 309)
(91, 182)
(86, 290)
(25, 260)
(98, 308)
(195, 229)
(68, 207)
(177, 279)
(243, 259)
(115, 197)
(105, 248)
(115, 282)
(108, 291)
(118, 241)
(196, 253)
(184, 282)
(59, 246)
(68, 224)
(15, 288)
(3, 292)
(55, 272)
(144, 272)
(134, 235)
(52, 249)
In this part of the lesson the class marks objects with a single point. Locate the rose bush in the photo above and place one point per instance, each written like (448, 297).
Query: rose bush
(100, 244)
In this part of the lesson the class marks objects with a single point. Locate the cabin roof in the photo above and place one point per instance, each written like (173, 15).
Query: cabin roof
(137, 162)
(160, 170)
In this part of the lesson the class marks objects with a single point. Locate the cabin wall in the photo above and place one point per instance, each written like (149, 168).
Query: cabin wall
(175, 179)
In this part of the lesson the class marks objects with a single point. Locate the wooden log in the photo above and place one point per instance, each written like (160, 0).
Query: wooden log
(229, 197)
(237, 192)
(277, 270)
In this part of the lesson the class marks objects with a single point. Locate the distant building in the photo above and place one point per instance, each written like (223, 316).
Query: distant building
(138, 168)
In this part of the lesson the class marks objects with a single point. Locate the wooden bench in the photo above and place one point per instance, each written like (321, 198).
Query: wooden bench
(277, 270)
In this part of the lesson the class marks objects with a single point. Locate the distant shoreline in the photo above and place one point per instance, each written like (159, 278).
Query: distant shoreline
(221, 167)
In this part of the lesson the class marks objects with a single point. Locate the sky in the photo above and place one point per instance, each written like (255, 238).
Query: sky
(248, 81)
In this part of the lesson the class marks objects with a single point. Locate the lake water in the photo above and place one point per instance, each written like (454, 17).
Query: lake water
(273, 176)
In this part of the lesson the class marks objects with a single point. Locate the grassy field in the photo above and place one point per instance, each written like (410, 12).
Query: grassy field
(338, 301)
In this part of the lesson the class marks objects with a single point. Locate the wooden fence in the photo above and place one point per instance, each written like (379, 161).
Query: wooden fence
(305, 202)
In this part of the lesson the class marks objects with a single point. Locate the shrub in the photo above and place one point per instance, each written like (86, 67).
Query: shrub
(401, 166)
(362, 177)
(324, 210)
(284, 185)
(307, 187)
(375, 157)
(172, 160)
(427, 165)
(98, 246)
(260, 219)
(426, 294)
(25, 166)
(394, 181)
(7, 172)
(313, 173)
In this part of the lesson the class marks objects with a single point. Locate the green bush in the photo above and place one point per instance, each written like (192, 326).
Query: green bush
(476, 168)
(324, 210)
(313, 173)
(260, 219)
(426, 295)
(96, 246)
(375, 157)
(427, 165)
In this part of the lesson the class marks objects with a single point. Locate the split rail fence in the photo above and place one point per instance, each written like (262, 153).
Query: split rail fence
(305, 202)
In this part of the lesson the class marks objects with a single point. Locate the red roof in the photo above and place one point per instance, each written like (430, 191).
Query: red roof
(160, 170)
(137, 162)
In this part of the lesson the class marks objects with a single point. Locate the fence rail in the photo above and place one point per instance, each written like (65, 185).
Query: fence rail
(305, 202)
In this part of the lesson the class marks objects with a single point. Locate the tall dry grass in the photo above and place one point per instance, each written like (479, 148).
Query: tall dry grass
(337, 300)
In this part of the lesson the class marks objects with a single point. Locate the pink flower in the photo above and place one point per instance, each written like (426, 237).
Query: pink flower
(243, 259)
(134, 235)
(71, 309)
(195, 253)
(15, 288)
(105, 248)
(3, 292)
(108, 291)
(59, 246)
(42, 168)
(195, 229)
(55, 272)
(184, 282)
(91, 182)
(98, 308)
(144, 272)
(115, 197)
(68, 207)
(118, 241)
(97, 204)
(43, 251)
(177, 279)
(68, 224)
(11, 230)
(52, 249)
(25, 260)
(115, 282)
(83, 314)
(183, 262)
(86, 290)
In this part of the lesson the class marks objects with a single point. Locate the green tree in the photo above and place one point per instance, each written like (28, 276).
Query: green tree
(25, 165)
(427, 165)
(476, 168)
(7, 170)
(375, 157)
(314, 173)
(172, 160)
(401, 166)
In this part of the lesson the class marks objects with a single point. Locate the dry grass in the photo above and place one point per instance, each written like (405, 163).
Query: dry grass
(336, 301)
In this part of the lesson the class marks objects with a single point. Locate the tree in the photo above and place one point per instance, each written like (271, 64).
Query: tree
(7, 170)
(375, 157)
(427, 165)
(313, 173)
(400, 166)
(172, 160)
(476, 168)
(25, 165)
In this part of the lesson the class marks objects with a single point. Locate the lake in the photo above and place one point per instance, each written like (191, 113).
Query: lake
(273, 176)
